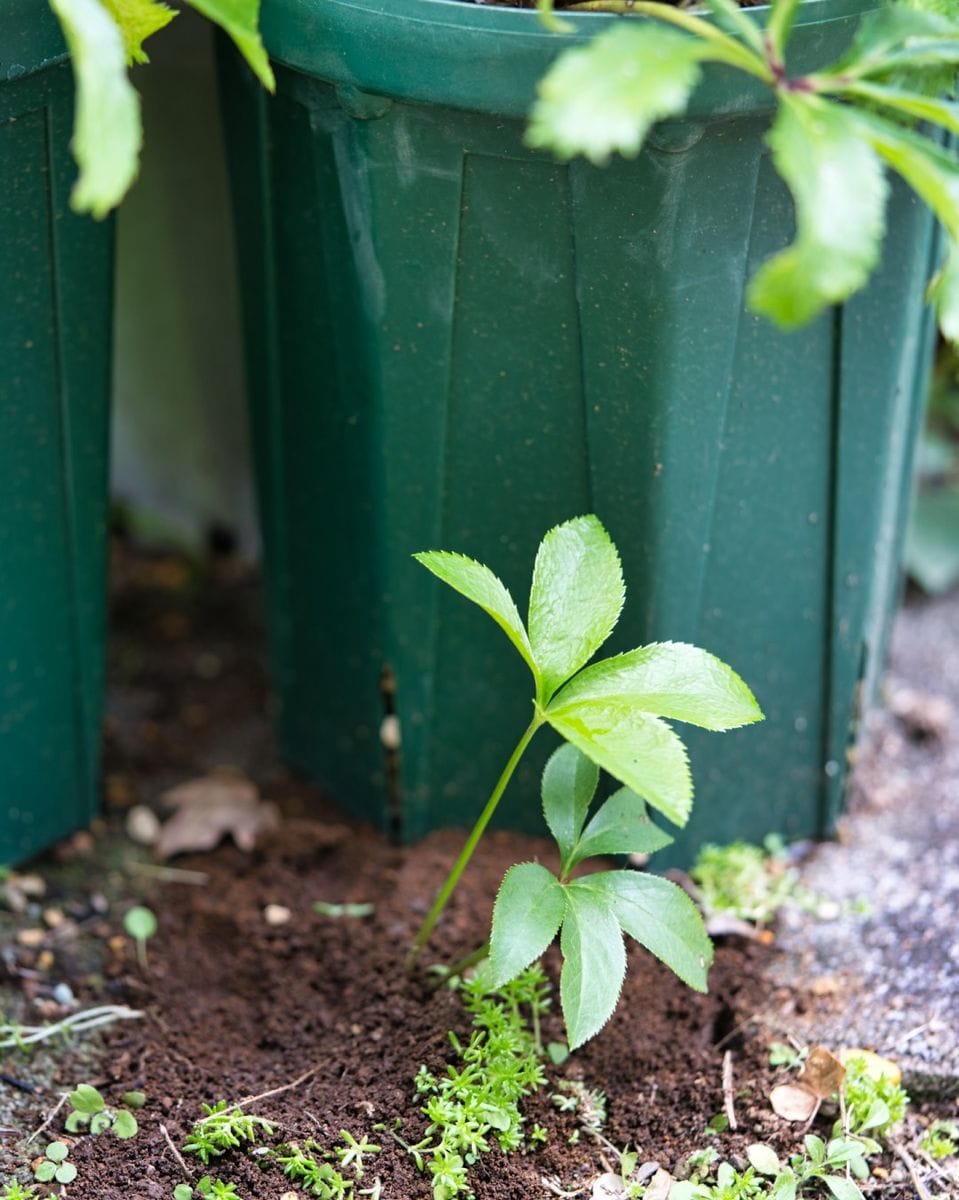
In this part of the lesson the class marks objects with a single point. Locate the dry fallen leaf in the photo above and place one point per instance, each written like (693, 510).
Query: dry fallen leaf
(793, 1102)
(608, 1187)
(211, 807)
(659, 1186)
(823, 1073)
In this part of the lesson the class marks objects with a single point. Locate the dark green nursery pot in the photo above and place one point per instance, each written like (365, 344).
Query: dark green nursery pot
(455, 342)
(55, 300)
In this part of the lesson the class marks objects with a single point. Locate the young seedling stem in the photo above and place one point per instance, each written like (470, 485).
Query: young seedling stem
(472, 841)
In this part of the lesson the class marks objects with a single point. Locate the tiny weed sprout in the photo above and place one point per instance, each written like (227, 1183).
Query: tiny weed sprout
(614, 715)
(141, 924)
(54, 1167)
(750, 882)
(835, 134)
(875, 1099)
(940, 1140)
(222, 1129)
(14, 1190)
(88, 1111)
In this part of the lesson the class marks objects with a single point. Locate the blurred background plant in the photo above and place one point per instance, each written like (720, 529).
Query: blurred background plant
(932, 552)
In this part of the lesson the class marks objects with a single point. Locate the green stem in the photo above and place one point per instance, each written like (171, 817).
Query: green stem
(464, 964)
(471, 842)
(727, 49)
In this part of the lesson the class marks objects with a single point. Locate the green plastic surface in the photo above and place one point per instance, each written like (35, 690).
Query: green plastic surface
(55, 293)
(454, 342)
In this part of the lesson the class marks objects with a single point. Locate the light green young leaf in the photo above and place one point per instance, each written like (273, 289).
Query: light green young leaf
(528, 912)
(730, 16)
(125, 1125)
(780, 24)
(57, 1151)
(240, 19)
(100, 1122)
(44, 1171)
(576, 598)
(137, 20)
(934, 176)
(594, 963)
(603, 97)
(898, 36)
(621, 826)
(924, 108)
(842, 1188)
(669, 679)
(86, 1099)
(569, 784)
(764, 1159)
(661, 917)
(639, 750)
(840, 191)
(65, 1173)
(478, 583)
(107, 132)
(784, 1186)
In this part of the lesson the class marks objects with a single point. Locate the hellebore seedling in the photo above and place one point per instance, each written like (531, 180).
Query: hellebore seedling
(88, 1110)
(53, 1167)
(141, 924)
(613, 713)
(835, 133)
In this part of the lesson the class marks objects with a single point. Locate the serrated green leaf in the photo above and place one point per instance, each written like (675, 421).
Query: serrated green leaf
(107, 133)
(838, 184)
(569, 784)
(478, 583)
(842, 1188)
(620, 826)
(576, 598)
(639, 750)
(669, 679)
(66, 1172)
(594, 963)
(526, 916)
(934, 176)
(897, 36)
(138, 19)
(240, 20)
(57, 1151)
(603, 98)
(661, 917)
(125, 1125)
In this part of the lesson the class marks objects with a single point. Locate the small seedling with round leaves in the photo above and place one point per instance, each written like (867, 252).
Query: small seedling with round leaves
(141, 924)
(54, 1167)
(89, 1111)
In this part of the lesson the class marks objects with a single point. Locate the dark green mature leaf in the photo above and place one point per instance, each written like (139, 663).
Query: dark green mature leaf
(603, 97)
(594, 963)
(240, 19)
(621, 826)
(138, 19)
(576, 598)
(528, 912)
(840, 191)
(478, 583)
(569, 784)
(639, 750)
(661, 917)
(669, 679)
(107, 132)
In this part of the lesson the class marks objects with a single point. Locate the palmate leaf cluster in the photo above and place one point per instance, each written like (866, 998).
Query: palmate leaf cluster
(613, 714)
(104, 38)
(834, 136)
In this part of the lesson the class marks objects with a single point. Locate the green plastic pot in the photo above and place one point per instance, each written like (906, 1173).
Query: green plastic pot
(55, 301)
(455, 342)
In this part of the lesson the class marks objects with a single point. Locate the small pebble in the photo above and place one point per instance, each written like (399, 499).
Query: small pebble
(142, 825)
(31, 937)
(276, 914)
(63, 994)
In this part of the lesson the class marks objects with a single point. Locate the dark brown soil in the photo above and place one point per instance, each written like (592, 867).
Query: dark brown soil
(236, 1007)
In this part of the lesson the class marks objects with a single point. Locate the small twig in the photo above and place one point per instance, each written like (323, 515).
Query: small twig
(921, 1190)
(728, 1098)
(79, 1022)
(167, 874)
(184, 1169)
(60, 1103)
(264, 1095)
(551, 1183)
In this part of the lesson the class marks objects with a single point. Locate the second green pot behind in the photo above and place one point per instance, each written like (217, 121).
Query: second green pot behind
(456, 343)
